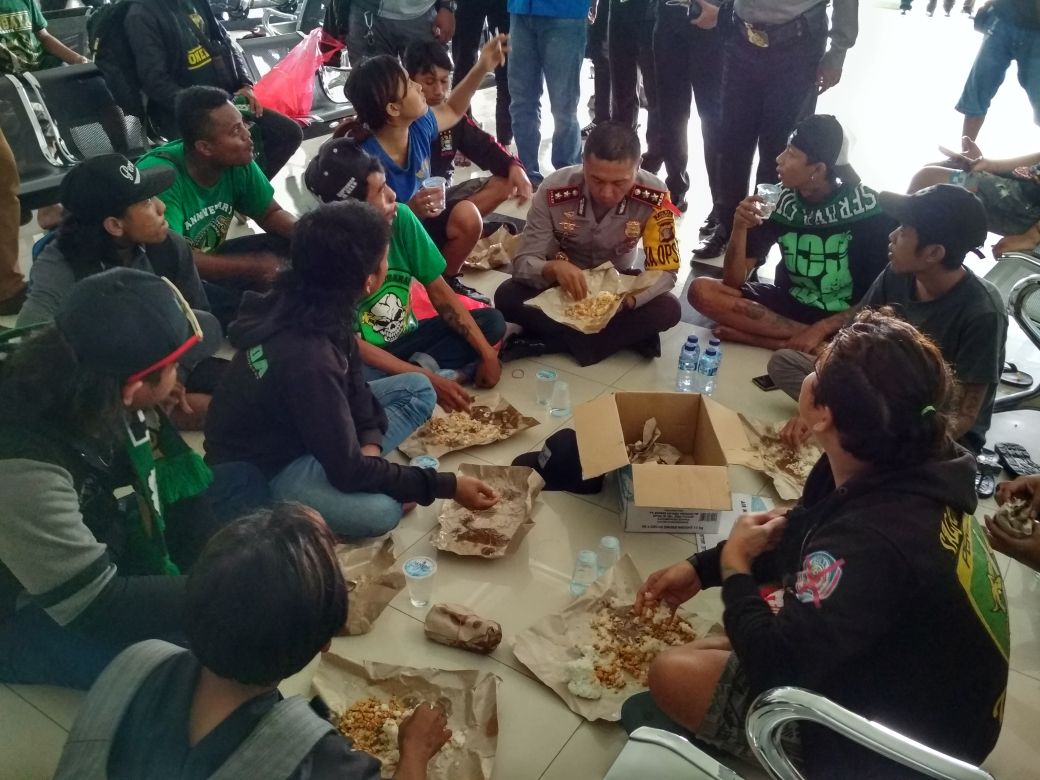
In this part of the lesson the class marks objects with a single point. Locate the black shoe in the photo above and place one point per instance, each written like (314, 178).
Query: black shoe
(519, 347)
(455, 283)
(588, 129)
(713, 246)
(710, 225)
(679, 201)
(11, 306)
(649, 347)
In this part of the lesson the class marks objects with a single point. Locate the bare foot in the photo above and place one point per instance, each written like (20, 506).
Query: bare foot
(727, 333)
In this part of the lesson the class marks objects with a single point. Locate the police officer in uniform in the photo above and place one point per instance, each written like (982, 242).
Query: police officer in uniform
(581, 217)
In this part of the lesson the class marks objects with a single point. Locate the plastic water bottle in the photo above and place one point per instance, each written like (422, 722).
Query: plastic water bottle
(716, 344)
(685, 377)
(707, 368)
(585, 572)
(609, 554)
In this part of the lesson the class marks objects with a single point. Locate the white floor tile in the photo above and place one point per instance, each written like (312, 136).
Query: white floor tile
(1015, 757)
(1023, 594)
(58, 704)
(30, 742)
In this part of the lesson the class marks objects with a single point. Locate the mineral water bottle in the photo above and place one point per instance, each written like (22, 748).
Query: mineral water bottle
(715, 344)
(685, 377)
(585, 572)
(707, 368)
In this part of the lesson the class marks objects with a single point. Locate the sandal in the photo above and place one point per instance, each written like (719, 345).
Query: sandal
(1010, 375)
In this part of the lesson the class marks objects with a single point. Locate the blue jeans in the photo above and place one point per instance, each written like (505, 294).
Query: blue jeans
(34, 650)
(408, 400)
(551, 48)
(1004, 42)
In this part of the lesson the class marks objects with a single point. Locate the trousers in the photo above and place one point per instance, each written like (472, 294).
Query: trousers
(469, 23)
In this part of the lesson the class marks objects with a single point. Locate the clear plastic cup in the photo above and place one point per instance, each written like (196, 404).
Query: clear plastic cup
(419, 573)
(440, 184)
(560, 400)
(585, 572)
(546, 380)
(609, 553)
(770, 194)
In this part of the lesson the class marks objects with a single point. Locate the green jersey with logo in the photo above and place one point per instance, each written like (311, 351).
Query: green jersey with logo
(386, 315)
(203, 214)
(20, 49)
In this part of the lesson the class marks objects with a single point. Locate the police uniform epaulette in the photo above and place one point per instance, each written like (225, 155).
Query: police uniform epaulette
(559, 195)
(648, 195)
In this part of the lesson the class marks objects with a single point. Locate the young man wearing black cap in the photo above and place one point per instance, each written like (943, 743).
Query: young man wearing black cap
(215, 177)
(83, 574)
(832, 236)
(388, 333)
(928, 285)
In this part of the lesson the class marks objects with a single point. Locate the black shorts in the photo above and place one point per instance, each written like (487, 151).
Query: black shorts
(437, 226)
(780, 302)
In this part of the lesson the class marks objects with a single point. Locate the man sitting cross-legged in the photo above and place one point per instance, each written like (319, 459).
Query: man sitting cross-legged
(428, 63)
(832, 236)
(582, 216)
(388, 333)
(216, 176)
(927, 284)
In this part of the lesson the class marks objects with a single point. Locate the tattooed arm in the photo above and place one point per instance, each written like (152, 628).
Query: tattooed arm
(457, 317)
(971, 396)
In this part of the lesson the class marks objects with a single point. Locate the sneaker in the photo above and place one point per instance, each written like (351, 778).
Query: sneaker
(11, 306)
(519, 347)
(455, 283)
(713, 246)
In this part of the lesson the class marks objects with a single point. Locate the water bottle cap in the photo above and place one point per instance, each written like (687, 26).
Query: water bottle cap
(692, 339)
(547, 374)
(587, 556)
(711, 351)
(714, 342)
(610, 542)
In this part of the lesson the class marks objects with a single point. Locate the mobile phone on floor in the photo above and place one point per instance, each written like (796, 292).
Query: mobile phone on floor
(764, 382)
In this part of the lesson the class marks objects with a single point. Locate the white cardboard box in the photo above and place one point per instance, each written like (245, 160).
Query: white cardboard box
(684, 498)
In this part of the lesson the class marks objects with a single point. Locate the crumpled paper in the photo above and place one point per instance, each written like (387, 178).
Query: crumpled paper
(602, 278)
(486, 407)
(469, 697)
(372, 581)
(769, 455)
(547, 646)
(494, 532)
(458, 626)
(494, 251)
(649, 450)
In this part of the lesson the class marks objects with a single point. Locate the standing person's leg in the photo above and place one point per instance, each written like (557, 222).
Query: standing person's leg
(672, 56)
(368, 36)
(563, 52)
(986, 75)
(525, 70)
(282, 137)
(408, 401)
(1027, 55)
(596, 51)
(469, 21)
(498, 19)
(626, 16)
(705, 75)
(13, 289)
(653, 158)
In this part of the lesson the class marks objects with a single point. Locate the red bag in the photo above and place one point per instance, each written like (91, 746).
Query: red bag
(289, 86)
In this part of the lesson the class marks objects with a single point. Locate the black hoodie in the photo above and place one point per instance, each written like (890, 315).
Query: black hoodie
(893, 607)
(292, 391)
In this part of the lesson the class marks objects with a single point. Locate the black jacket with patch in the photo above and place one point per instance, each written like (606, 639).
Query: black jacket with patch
(893, 607)
(474, 143)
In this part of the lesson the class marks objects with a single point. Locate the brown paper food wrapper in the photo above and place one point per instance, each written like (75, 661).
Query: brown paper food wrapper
(770, 456)
(458, 626)
(469, 697)
(494, 532)
(494, 251)
(650, 450)
(489, 408)
(603, 278)
(372, 581)
(546, 647)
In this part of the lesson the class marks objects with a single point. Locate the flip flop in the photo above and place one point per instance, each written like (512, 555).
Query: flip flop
(985, 485)
(1015, 378)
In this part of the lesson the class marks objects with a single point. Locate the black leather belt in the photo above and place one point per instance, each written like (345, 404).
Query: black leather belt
(766, 35)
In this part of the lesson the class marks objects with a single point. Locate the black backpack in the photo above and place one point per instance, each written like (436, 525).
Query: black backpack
(110, 48)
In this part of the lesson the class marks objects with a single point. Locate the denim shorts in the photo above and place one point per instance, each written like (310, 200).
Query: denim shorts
(1004, 42)
(1012, 204)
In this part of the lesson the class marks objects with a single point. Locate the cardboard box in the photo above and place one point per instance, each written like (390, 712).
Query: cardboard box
(684, 498)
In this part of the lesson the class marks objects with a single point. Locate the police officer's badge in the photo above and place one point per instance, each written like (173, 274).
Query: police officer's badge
(633, 229)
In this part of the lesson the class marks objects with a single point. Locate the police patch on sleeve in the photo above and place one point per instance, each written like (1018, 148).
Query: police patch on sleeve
(660, 240)
(819, 577)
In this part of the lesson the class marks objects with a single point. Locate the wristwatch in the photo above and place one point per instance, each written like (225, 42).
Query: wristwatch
(451, 5)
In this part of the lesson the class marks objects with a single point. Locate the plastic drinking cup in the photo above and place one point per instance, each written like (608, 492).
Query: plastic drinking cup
(440, 184)
(560, 401)
(546, 380)
(419, 573)
(770, 194)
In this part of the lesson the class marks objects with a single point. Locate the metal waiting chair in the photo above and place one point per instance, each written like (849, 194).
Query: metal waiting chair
(69, 25)
(40, 167)
(1017, 276)
(774, 709)
(310, 14)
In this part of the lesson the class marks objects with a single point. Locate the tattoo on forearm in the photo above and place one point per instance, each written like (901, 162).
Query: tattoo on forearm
(756, 311)
(452, 319)
(968, 409)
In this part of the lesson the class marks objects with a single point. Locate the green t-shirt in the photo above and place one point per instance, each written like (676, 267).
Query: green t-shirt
(386, 315)
(203, 214)
(20, 49)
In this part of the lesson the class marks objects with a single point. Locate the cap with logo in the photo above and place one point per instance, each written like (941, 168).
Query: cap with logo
(559, 464)
(822, 139)
(127, 323)
(107, 185)
(944, 214)
(338, 170)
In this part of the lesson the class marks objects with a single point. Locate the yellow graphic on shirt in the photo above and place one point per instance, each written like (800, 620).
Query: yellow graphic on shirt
(16, 21)
(198, 57)
(660, 241)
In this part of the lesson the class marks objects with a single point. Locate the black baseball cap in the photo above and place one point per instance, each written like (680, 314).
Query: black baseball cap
(338, 170)
(107, 185)
(941, 214)
(559, 465)
(822, 138)
(127, 323)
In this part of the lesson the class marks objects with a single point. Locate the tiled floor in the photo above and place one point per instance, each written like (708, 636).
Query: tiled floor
(900, 84)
